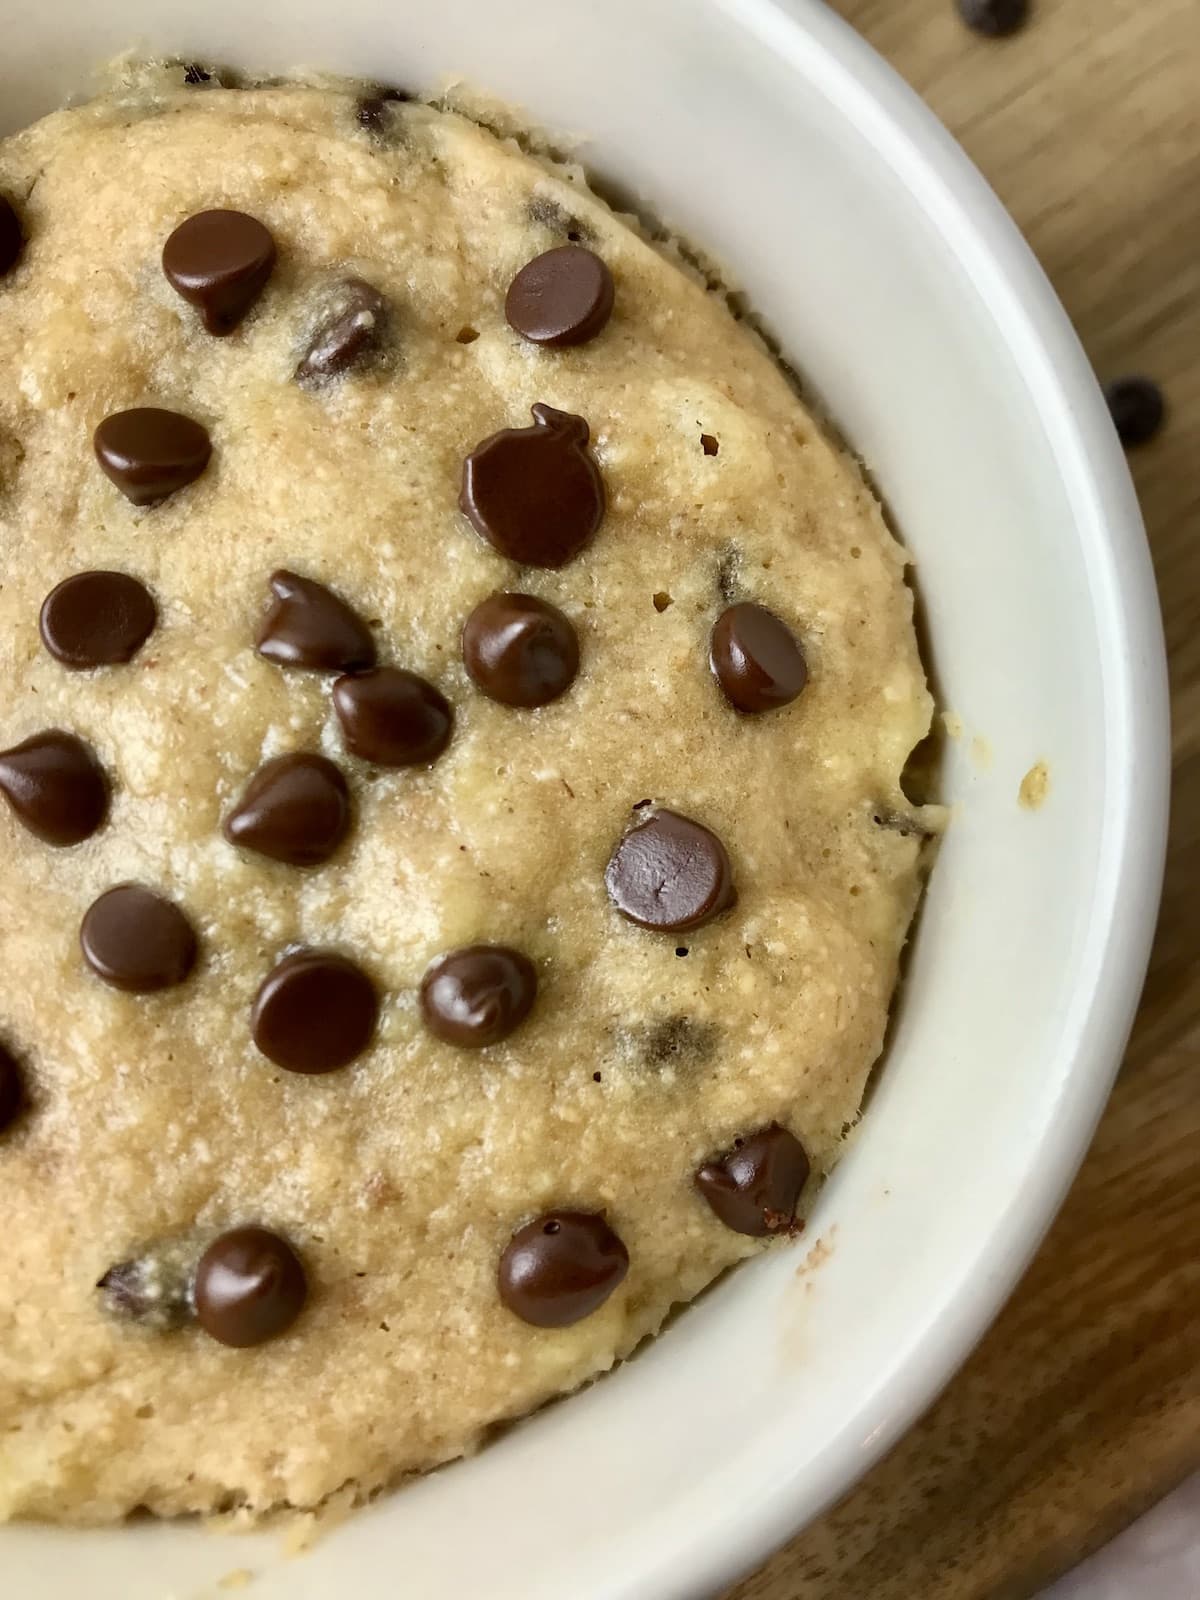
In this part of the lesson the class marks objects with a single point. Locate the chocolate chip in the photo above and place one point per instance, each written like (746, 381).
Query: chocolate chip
(55, 786)
(219, 261)
(756, 659)
(670, 874)
(520, 650)
(478, 995)
(315, 1012)
(535, 494)
(561, 1267)
(709, 444)
(12, 1089)
(392, 718)
(137, 940)
(250, 1287)
(562, 297)
(374, 110)
(307, 625)
(348, 335)
(150, 453)
(152, 1288)
(295, 809)
(194, 74)
(1138, 409)
(754, 1187)
(97, 619)
(12, 237)
(994, 18)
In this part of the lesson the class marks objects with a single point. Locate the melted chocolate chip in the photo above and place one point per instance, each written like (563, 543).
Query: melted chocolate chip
(97, 619)
(754, 1187)
(194, 74)
(392, 718)
(315, 1012)
(670, 874)
(348, 335)
(678, 1041)
(562, 297)
(55, 786)
(520, 650)
(535, 494)
(478, 995)
(994, 18)
(219, 261)
(307, 625)
(136, 940)
(150, 453)
(295, 809)
(561, 1267)
(250, 1287)
(12, 238)
(152, 1288)
(1138, 409)
(12, 1089)
(374, 111)
(756, 659)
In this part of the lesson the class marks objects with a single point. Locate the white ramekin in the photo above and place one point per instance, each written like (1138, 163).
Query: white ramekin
(770, 134)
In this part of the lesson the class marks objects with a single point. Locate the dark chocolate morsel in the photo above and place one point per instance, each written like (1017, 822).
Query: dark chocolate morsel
(150, 453)
(670, 874)
(756, 659)
(561, 1267)
(55, 786)
(478, 995)
(314, 1012)
(520, 650)
(392, 718)
(348, 335)
(754, 1188)
(152, 1288)
(296, 809)
(137, 940)
(219, 261)
(97, 619)
(12, 236)
(535, 494)
(250, 1287)
(373, 111)
(307, 625)
(12, 1089)
(562, 297)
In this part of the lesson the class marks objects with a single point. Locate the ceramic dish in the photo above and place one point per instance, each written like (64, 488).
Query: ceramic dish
(896, 284)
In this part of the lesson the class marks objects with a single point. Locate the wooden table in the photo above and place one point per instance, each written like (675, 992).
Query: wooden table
(1082, 1406)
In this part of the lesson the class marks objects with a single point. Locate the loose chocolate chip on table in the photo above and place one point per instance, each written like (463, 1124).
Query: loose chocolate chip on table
(55, 786)
(315, 1012)
(392, 718)
(995, 18)
(754, 1187)
(307, 625)
(137, 940)
(372, 110)
(756, 659)
(348, 335)
(12, 237)
(1137, 408)
(562, 297)
(561, 1267)
(520, 650)
(152, 1288)
(295, 809)
(97, 619)
(219, 261)
(12, 1089)
(250, 1287)
(478, 995)
(535, 494)
(150, 453)
(670, 874)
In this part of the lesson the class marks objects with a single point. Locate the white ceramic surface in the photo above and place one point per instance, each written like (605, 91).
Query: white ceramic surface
(772, 135)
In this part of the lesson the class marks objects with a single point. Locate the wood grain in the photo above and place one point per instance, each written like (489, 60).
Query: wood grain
(1082, 1406)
